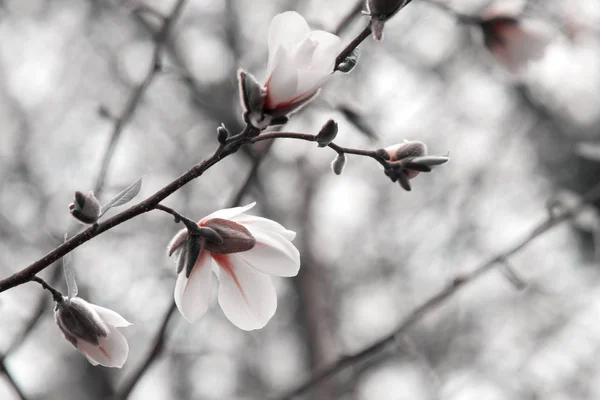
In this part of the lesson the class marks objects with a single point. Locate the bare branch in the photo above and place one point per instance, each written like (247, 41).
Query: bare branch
(440, 297)
(136, 96)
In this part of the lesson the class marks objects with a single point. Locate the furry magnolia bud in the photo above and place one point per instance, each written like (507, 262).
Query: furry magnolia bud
(382, 10)
(85, 207)
(77, 320)
(337, 165)
(222, 134)
(385, 9)
(327, 133)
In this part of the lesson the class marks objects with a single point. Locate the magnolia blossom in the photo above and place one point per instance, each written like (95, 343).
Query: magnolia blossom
(514, 42)
(405, 150)
(251, 249)
(300, 62)
(93, 331)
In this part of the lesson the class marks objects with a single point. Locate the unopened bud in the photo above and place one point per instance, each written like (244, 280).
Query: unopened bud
(78, 320)
(222, 134)
(85, 207)
(327, 133)
(233, 237)
(337, 165)
(407, 149)
(385, 9)
(252, 93)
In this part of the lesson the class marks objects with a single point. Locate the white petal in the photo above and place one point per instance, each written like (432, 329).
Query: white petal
(327, 50)
(247, 296)
(286, 31)
(273, 254)
(110, 317)
(254, 222)
(282, 83)
(192, 295)
(227, 213)
(111, 351)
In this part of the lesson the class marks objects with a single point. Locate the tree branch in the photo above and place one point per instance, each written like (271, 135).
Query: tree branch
(440, 297)
(136, 96)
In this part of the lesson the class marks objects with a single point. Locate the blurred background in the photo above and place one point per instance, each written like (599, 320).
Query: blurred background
(70, 78)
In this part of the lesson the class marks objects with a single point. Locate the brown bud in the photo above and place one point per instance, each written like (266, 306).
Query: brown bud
(337, 165)
(327, 133)
(236, 238)
(85, 207)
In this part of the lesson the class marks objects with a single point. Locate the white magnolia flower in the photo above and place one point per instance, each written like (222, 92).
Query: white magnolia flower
(93, 331)
(516, 43)
(300, 62)
(252, 249)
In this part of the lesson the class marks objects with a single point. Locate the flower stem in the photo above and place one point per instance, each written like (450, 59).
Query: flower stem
(313, 138)
(191, 226)
(56, 295)
(352, 45)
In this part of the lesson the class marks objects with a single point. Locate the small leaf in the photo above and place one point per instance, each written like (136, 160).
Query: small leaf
(404, 182)
(69, 271)
(124, 197)
(416, 166)
(430, 161)
(349, 62)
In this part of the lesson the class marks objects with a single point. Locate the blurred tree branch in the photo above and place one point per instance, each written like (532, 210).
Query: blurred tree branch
(441, 296)
(160, 40)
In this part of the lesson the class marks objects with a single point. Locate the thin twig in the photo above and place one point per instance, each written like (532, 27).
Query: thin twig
(156, 349)
(136, 96)
(438, 299)
(313, 138)
(56, 295)
(347, 20)
(20, 277)
(352, 45)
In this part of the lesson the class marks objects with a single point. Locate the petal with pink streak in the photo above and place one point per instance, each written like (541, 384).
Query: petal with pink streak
(247, 296)
(282, 83)
(112, 350)
(192, 295)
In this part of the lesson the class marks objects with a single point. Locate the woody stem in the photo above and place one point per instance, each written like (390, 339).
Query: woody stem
(56, 295)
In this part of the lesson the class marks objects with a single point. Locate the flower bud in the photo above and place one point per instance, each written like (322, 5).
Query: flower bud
(252, 94)
(85, 207)
(382, 10)
(77, 320)
(407, 149)
(327, 133)
(337, 165)
(235, 237)
(222, 134)
(385, 9)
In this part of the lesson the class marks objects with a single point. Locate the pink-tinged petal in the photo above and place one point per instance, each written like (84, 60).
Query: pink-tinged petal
(110, 317)
(272, 254)
(258, 223)
(112, 351)
(282, 83)
(286, 31)
(192, 295)
(177, 241)
(247, 296)
(227, 213)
